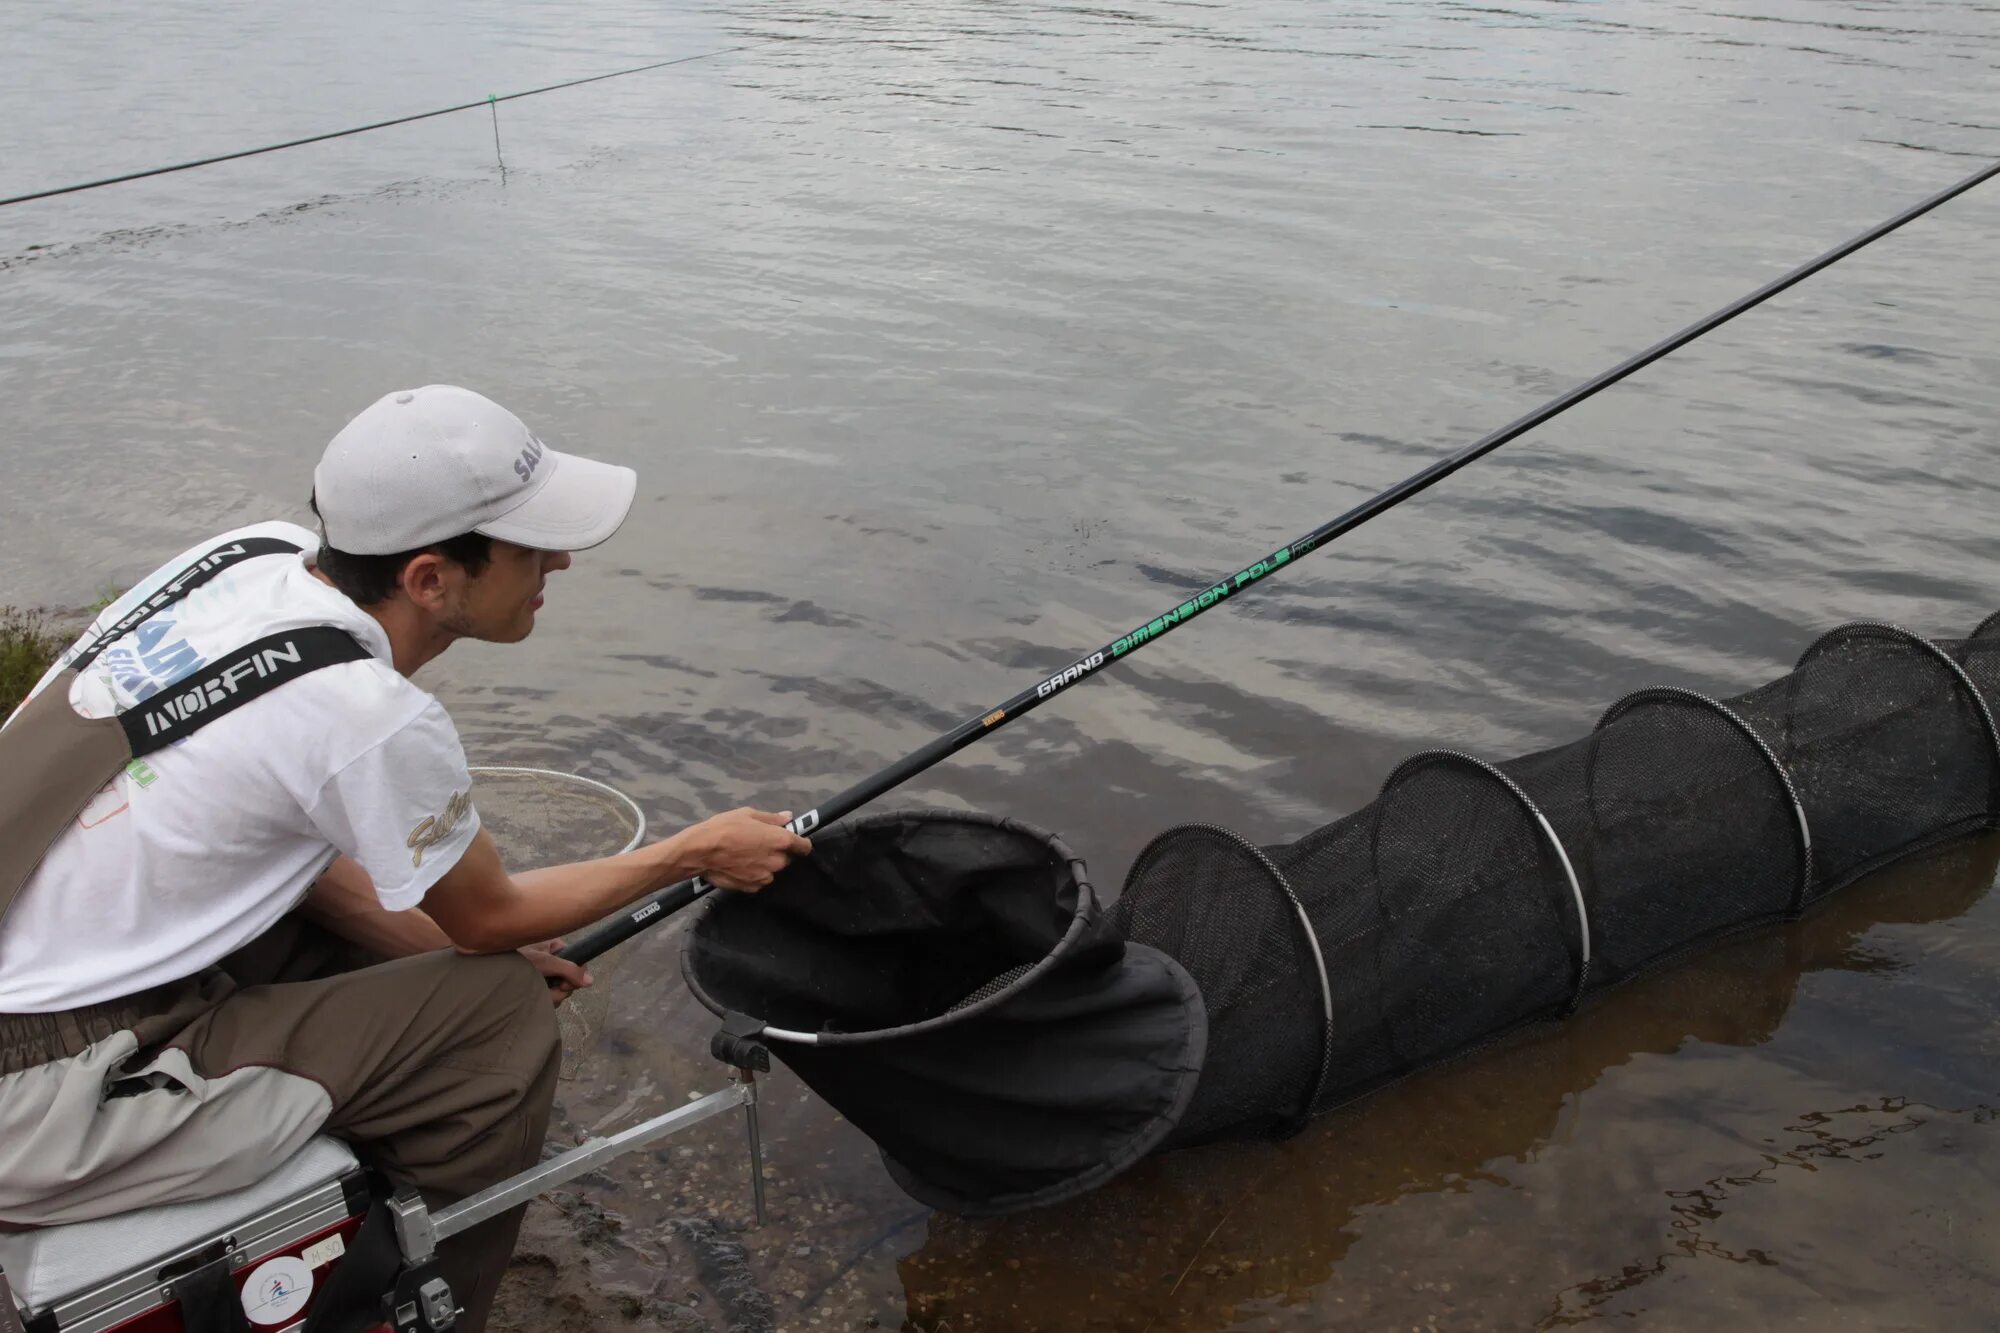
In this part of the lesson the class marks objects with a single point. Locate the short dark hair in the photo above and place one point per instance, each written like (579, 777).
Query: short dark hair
(370, 579)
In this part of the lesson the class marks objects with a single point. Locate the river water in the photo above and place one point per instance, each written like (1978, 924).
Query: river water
(952, 339)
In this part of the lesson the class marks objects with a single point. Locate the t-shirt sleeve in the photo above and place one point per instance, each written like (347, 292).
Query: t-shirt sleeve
(403, 808)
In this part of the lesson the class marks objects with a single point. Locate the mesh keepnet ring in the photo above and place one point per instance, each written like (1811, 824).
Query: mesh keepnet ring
(632, 806)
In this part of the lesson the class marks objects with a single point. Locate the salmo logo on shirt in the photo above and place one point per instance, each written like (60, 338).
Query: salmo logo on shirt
(436, 828)
(166, 714)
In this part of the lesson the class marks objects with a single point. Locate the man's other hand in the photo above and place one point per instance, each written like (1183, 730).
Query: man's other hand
(564, 977)
(745, 849)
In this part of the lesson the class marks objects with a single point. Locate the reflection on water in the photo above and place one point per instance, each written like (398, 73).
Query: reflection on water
(953, 337)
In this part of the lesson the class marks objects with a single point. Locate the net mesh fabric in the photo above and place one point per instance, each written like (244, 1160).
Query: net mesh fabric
(1677, 823)
(1978, 655)
(1445, 911)
(1246, 949)
(1885, 743)
(1475, 931)
(994, 987)
(1438, 914)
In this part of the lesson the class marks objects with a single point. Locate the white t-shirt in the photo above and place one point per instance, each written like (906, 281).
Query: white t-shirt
(194, 851)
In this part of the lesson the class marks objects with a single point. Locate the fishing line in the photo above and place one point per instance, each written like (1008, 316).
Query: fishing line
(489, 101)
(656, 907)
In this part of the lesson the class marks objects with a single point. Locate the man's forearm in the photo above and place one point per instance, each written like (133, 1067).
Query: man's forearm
(538, 905)
(486, 910)
(603, 886)
(389, 934)
(343, 901)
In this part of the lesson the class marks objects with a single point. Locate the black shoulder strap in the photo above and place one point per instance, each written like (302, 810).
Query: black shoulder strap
(183, 583)
(233, 680)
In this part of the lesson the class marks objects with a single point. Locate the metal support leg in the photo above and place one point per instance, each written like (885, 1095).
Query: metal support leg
(588, 1156)
(748, 1078)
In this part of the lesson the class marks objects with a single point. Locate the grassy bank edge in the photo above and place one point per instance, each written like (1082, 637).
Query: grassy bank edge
(29, 643)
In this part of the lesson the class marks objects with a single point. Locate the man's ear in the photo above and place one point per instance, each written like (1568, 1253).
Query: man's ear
(425, 582)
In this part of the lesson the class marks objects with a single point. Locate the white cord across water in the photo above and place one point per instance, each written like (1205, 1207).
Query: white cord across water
(638, 815)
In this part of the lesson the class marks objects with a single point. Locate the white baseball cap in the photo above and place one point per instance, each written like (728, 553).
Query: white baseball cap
(419, 466)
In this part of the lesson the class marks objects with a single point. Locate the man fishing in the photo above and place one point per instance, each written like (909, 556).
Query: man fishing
(229, 922)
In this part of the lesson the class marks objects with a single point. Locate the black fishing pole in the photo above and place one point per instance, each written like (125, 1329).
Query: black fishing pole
(659, 905)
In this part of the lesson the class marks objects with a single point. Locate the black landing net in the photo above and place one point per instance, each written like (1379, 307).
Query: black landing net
(949, 982)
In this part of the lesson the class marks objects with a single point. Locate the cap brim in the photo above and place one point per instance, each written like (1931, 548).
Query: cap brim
(579, 506)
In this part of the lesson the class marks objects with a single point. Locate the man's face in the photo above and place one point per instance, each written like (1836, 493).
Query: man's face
(498, 604)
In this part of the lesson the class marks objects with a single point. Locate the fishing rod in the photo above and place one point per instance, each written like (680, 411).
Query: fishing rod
(657, 906)
(489, 101)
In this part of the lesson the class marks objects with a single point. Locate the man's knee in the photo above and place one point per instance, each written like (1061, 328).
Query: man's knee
(519, 992)
(535, 1046)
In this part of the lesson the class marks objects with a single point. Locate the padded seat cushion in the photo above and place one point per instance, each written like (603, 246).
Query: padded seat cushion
(48, 1266)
